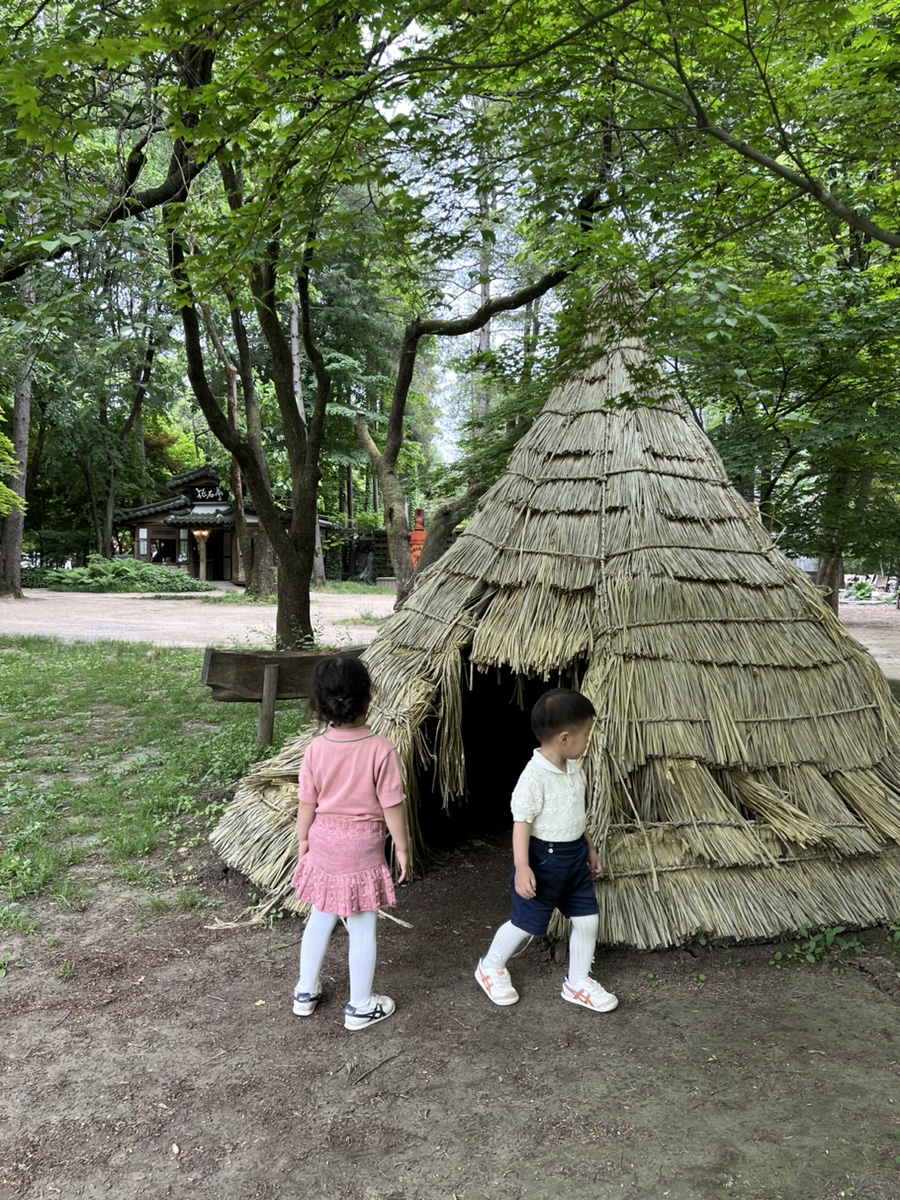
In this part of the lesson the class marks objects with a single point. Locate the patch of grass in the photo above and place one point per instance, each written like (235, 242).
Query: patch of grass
(17, 919)
(365, 618)
(138, 874)
(109, 751)
(351, 587)
(240, 598)
(188, 898)
(69, 895)
(7, 961)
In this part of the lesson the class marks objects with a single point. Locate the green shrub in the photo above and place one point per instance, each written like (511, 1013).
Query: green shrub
(123, 575)
(861, 589)
(35, 577)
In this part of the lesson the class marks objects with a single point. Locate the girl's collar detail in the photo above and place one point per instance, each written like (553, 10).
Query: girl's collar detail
(359, 733)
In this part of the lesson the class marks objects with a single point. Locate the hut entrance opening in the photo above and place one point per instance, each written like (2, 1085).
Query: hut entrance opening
(497, 743)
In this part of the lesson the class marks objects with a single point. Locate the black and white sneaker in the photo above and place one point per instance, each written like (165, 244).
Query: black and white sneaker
(378, 1008)
(305, 1003)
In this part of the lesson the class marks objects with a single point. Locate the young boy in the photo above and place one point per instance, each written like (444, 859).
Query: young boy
(555, 863)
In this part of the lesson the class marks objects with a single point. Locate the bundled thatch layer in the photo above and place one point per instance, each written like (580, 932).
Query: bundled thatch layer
(744, 772)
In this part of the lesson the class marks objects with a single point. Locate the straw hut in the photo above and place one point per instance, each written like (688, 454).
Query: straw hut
(744, 771)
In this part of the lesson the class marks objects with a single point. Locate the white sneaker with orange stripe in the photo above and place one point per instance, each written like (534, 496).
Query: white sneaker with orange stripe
(496, 984)
(589, 994)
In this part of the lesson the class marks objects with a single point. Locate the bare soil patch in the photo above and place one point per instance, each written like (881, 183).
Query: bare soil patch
(148, 1052)
(145, 1054)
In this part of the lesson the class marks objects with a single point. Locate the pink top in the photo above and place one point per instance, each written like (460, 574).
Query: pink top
(351, 773)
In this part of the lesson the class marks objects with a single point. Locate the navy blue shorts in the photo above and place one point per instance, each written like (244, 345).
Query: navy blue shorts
(563, 880)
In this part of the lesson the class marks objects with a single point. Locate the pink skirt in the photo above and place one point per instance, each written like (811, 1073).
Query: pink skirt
(344, 871)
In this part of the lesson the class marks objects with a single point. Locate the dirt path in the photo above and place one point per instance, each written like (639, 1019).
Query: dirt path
(149, 1052)
(193, 621)
(182, 621)
(877, 628)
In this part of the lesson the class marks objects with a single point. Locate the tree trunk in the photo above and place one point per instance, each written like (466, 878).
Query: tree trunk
(109, 516)
(246, 556)
(257, 563)
(318, 573)
(396, 520)
(12, 526)
(96, 520)
(842, 488)
(293, 623)
(485, 205)
(831, 575)
(261, 582)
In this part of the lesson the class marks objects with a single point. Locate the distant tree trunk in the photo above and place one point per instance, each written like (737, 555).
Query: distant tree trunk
(12, 526)
(831, 575)
(257, 555)
(483, 402)
(245, 545)
(109, 519)
(845, 490)
(393, 499)
(103, 507)
(318, 573)
(246, 555)
(830, 572)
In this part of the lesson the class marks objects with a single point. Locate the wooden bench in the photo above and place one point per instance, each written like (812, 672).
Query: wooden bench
(263, 677)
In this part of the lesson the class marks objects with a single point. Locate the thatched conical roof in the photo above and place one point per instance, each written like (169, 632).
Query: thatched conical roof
(744, 771)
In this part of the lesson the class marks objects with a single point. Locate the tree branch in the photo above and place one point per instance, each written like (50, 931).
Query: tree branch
(803, 183)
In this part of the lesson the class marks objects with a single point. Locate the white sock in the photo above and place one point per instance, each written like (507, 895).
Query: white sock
(582, 944)
(362, 927)
(507, 940)
(316, 936)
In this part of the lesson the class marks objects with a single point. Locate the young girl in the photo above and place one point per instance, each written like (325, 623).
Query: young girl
(350, 788)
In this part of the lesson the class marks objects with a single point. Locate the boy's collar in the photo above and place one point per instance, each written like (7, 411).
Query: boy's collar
(545, 762)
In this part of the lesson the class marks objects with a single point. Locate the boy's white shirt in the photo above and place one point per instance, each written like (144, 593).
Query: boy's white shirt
(550, 800)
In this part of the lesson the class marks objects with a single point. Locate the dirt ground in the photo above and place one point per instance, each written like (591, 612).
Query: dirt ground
(194, 619)
(148, 1053)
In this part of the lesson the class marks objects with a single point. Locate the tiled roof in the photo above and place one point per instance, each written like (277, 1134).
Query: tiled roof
(222, 517)
(206, 471)
(170, 504)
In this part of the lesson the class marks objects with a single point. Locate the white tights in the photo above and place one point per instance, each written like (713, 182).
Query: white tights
(361, 928)
(582, 942)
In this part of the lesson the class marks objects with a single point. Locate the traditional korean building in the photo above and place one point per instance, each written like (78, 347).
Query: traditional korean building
(192, 529)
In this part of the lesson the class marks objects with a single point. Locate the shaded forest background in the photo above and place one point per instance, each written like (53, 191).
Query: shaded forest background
(344, 251)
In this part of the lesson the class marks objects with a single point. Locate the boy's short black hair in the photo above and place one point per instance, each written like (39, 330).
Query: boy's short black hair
(558, 710)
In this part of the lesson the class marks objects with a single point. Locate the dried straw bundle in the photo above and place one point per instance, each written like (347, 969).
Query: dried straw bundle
(744, 772)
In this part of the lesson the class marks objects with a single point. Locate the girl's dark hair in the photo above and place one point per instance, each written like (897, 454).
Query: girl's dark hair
(558, 710)
(341, 689)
